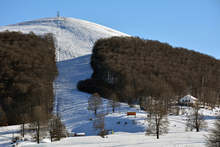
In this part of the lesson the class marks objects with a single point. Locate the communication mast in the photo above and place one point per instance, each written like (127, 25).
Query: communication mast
(58, 13)
(58, 33)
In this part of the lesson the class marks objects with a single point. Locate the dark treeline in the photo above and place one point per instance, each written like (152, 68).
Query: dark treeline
(27, 71)
(133, 68)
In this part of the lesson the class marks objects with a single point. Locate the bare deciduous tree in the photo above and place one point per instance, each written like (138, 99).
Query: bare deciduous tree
(94, 102)
(99, 123)
(113, 103)
(158, 122)
(195, 120)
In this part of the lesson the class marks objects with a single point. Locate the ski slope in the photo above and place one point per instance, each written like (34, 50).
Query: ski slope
(74, 37)
(72, 104)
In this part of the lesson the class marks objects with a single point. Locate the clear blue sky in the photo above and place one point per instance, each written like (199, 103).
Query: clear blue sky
(193, 24)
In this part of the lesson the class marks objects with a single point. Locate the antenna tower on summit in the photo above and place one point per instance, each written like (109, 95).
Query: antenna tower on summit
(58, 13)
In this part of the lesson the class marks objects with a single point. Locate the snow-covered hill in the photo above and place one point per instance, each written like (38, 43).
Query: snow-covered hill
(74, 37)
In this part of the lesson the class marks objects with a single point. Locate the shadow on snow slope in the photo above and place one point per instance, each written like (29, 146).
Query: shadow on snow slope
(72, 104)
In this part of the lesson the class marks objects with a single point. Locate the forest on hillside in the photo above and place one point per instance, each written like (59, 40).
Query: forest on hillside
(27, 72)
(133, 68)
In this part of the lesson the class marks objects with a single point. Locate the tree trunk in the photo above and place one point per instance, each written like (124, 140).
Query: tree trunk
(197, 125)
(197, 129)
(51, 138)
(157, 132)
(22, 130)
(38, 132)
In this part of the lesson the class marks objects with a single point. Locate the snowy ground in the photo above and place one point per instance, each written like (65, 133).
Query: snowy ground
(72, 106)
(177, 137)
(132, 140)
(6, 133)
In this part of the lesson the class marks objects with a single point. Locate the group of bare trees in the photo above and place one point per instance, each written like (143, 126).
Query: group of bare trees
(95, 104)
(41, 125)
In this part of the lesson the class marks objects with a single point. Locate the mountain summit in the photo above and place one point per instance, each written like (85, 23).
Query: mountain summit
(74, 37)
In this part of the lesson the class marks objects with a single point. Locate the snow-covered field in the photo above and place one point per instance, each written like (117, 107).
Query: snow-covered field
(132, 140)
(6, 133)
